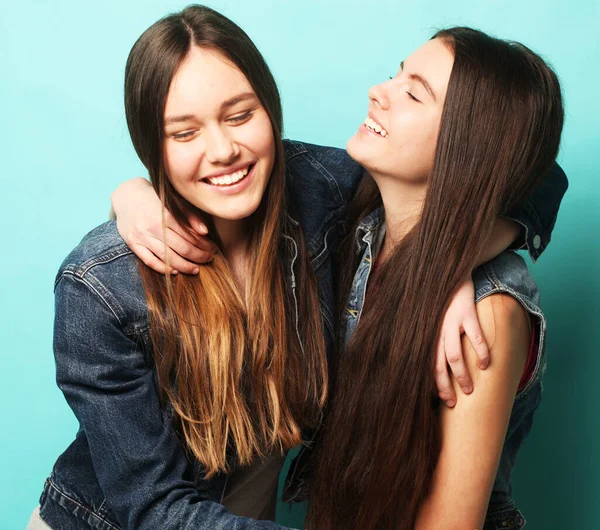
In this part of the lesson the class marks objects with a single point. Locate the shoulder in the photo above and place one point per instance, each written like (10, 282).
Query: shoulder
(504, 322)
(100, 245)
(107, 271)
(331, 165)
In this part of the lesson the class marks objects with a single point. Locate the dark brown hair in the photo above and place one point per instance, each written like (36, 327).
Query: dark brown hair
(232, 364)
(499, 134)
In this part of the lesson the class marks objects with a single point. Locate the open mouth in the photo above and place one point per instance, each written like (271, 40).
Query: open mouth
(375, 127)
(230, 179)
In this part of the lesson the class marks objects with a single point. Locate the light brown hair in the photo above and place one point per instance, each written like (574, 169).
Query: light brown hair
(237, 373)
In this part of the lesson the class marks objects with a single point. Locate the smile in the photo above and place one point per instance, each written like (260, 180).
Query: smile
(229, 179)
(374, 126)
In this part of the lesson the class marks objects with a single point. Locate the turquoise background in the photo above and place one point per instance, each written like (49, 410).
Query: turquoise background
(65, 147)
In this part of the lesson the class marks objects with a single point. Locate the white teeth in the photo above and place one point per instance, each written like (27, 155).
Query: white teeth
(374, 126)
(228, 180)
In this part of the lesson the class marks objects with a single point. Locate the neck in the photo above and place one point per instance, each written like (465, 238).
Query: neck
(402, 202)
(234, 236)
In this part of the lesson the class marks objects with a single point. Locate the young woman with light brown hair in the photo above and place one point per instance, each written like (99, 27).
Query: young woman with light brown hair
(189, 390)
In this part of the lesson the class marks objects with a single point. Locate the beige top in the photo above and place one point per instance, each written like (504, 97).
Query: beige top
(252, 491)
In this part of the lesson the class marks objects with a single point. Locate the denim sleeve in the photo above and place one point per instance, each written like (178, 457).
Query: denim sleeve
(140, 464)
(538, 214)
(335, 165)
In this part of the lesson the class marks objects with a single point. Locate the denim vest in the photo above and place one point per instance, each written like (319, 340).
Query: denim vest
(507, 273)
(126, 467)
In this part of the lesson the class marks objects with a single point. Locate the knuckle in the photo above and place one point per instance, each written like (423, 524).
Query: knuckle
(454, 357)
(478, 338)
(440, 369)
(204, 257)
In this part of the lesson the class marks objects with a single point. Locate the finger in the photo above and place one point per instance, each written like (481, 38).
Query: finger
(175, 261)
(476, 337)
(187, 250)
(197, 224)
(454, 355)
(442, 378)
(199, 241)
(149, 259)
(196, 236)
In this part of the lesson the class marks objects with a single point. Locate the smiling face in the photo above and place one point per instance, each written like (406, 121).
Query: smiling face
(218, 145)
(399, 136)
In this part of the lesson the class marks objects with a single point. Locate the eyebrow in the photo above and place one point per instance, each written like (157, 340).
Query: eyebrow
(421, 80)
(225, 105)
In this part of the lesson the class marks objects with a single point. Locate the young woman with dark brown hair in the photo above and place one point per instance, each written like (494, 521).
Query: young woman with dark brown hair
(460, 136)
(395, 357)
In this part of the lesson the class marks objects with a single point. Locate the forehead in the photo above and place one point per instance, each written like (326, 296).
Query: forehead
(203, 81)
(432, 61)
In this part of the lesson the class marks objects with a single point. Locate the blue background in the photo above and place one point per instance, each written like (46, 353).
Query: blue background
(65, 147)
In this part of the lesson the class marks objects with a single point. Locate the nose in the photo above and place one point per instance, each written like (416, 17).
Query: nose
(221, 148)
(378, 94)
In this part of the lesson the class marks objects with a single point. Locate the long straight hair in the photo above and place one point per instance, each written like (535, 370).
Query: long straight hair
(499, 134)
(239, 376)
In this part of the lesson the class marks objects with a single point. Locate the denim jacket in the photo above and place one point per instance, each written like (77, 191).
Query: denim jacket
(126, 467)
(507, 273)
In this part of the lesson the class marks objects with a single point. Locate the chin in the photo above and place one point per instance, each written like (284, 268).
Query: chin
(237, 214)
(356, 149)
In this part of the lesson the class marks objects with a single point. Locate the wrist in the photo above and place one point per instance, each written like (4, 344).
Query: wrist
(126, 188)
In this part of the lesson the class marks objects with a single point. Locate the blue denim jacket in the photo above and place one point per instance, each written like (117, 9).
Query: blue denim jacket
(507, 273)
(126, 467)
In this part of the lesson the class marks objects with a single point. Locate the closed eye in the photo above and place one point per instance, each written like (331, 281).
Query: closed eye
(183, 135)
(413, 97)
(242, 117)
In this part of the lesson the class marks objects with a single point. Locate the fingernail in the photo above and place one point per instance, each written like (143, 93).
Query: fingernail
(174, 272)
(467, 389)
(196, 270)
(450, 403)
(202, 229)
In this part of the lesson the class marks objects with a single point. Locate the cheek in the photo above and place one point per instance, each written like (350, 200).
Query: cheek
(419, 138)
(181, 161)
(258, 137)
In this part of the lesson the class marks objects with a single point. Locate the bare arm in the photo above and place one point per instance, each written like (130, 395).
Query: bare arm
(461, 317)
(473, 431)
(504, 234)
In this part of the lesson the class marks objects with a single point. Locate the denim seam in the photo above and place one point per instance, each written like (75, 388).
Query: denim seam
(108, 256)
(538, 230)
(93, 288)
(320, 258)
(298, 148)
(91, 513)
(501, 511)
